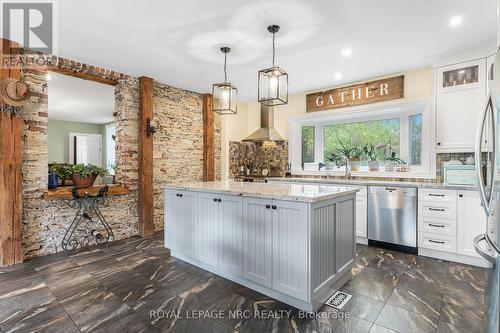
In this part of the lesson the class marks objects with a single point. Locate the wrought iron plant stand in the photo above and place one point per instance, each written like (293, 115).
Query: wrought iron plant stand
(85, 206)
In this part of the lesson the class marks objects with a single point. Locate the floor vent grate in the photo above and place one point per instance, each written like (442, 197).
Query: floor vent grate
(338, 300)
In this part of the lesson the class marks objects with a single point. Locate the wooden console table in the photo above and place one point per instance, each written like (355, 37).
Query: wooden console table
(86, 201)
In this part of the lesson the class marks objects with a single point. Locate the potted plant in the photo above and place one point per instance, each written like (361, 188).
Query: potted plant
(61, 171)
(353, 155)
(392, 161)
(85, 175)
(333, 160)
(371, 154)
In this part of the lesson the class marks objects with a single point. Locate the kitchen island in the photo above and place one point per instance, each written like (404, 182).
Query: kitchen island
(292, 242)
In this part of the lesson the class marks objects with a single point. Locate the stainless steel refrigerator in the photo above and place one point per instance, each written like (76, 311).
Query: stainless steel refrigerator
(488, 244)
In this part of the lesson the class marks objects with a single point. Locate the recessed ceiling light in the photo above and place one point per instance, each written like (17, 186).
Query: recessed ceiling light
(347, 52)
(337, 76)
(455, 21)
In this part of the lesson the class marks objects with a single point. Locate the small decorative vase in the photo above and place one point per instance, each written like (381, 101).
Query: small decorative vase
(53, 181)
(390, 166)
(373, 165)
(83, 182)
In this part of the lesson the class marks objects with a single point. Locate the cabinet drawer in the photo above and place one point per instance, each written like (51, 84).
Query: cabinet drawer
(437, 195)
(441, 210)
(437, 242)
(437, 226)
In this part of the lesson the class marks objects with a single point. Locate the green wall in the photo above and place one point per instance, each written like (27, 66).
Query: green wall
(59, 137)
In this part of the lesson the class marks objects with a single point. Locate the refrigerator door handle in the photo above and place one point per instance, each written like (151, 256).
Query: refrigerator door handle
(485, 199)
(482, 252)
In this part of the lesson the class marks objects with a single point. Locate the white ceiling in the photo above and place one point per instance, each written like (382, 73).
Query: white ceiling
(177, 42)
(77, 100)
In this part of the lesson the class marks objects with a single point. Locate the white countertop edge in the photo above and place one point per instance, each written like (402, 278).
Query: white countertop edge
(288, 197)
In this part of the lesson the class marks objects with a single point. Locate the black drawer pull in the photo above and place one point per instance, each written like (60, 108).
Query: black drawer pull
(436, 195)
(268, 206)
(179, 195)
(219, 200)
(437, 209)
(274, 207)
(437, 242)
(436, 225)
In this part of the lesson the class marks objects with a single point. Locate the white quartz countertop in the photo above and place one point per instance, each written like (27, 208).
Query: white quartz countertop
(280, 191)
(363, 182)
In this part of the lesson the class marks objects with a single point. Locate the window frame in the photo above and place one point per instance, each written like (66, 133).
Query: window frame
(385, 110)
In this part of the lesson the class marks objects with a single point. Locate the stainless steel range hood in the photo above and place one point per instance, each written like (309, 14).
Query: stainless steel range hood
(266, 132)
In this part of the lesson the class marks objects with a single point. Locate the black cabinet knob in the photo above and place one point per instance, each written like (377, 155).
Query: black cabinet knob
(268, 206)
(439, 143)
(219, 200)
(215, 199)
(460, 195)
(274, 207)
(180, 195)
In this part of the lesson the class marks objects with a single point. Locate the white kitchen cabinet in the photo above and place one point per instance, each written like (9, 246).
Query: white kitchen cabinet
(257, 238)
(181, 236)
(220, 232)
(362, 212)
(208, 228)
(290, 251)
(460, 91)
(471, 222)
(230, 235)
(296, 251)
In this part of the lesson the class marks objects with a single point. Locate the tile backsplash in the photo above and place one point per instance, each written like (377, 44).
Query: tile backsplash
(274, 157)
(257, 156)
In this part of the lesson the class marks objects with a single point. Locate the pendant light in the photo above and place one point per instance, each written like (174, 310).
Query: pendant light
(225, 95)
(273, 81)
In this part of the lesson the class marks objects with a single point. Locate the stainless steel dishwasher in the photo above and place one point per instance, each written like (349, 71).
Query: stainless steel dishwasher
(392, 217)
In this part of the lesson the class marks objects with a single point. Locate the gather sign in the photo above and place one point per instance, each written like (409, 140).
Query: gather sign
(363, 93)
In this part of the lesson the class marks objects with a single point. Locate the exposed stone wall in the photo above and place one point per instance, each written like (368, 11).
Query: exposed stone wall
(178, 141)
(178, 155)
(45, 221)
(258, 156)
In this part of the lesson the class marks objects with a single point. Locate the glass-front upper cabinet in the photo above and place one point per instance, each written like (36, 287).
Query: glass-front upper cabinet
(460, 76)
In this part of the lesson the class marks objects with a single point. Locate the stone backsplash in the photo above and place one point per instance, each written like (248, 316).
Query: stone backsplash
(258, 156)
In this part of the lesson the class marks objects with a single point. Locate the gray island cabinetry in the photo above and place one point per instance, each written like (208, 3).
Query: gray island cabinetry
(292, 242)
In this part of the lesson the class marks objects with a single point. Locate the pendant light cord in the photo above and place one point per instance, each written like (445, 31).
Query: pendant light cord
(274, 48)
(225, 67)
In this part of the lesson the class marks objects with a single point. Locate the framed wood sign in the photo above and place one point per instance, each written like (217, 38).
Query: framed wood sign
(358, 94)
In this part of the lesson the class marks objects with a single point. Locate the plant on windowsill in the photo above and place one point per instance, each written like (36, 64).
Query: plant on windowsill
(333, 160)
(371, 153)
(85, 175)
(353, 155)
(392, 162)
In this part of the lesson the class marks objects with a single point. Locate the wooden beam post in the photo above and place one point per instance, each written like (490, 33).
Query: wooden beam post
(145, 154)
(11, 227)
(208, 139)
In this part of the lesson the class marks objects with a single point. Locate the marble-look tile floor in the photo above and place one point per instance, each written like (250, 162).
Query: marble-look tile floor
(116, 288)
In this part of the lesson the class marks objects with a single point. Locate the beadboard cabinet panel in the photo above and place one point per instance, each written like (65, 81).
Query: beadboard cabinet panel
(208, 228)
(290, 248)
(231, 235)
(257, 238)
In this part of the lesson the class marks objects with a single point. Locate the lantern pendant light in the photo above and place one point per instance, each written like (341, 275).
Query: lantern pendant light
(273, 81)
(225, 95)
